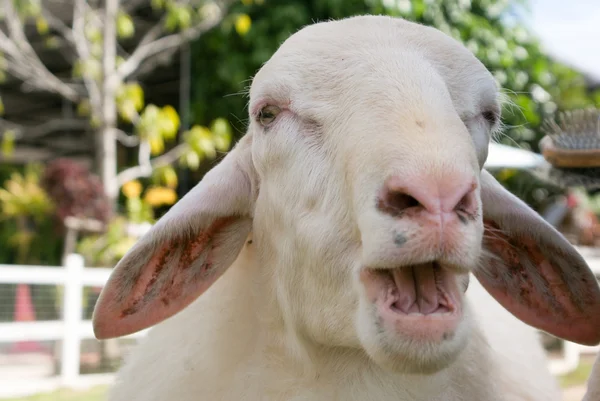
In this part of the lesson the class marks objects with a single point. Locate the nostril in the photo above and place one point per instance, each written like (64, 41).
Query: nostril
(467, 204)
(402, 201)
(396, 202)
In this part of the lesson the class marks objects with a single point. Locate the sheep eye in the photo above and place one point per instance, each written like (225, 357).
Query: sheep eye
(490, 117)
(267, 115)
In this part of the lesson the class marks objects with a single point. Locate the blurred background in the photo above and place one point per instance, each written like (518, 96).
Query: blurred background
(110, 111)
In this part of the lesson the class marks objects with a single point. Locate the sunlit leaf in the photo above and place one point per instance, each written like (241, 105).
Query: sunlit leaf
(130, 100)
(157, 4)
(222, 143)
(243, 24)
(166, 175)
(42, 25)
(132, 189)
(52, 42)
(169, 122)
(178, 16)
(184, 17)
(147, 126)
(157, 145)
(93, 33)
(125, 27)
(160, 196)
(8, 142)
(84, 108)
(191, 160)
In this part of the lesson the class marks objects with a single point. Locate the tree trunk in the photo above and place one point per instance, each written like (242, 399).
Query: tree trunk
(106, 141)
(106, 138)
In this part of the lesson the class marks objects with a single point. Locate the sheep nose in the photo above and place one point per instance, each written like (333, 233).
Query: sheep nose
(452, 193)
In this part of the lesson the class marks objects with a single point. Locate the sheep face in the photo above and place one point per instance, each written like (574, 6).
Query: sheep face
(360, 180)
(368, 162)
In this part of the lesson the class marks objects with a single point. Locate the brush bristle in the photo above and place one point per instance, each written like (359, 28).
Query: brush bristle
(575, 130)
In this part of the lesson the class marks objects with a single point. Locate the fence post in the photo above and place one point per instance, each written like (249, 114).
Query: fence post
(72, 312)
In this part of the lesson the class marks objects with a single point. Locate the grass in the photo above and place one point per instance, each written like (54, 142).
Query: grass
(579, 376)
(93, 394)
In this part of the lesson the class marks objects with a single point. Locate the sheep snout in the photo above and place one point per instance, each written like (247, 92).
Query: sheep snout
(447, 200)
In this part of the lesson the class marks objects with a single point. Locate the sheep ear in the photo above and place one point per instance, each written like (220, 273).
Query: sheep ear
(187, 250)
(533, 271)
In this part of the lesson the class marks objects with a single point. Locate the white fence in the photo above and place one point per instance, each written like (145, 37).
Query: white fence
(73, 277)
(72, 329)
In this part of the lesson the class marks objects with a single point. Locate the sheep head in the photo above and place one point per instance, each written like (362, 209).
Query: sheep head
(360, 178)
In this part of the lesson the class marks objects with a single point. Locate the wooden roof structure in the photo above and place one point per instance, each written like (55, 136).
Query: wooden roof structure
(44, 139)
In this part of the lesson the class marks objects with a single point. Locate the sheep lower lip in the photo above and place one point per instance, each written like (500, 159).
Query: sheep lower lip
(420, 301)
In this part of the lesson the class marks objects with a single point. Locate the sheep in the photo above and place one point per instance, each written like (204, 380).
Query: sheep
(328, 254)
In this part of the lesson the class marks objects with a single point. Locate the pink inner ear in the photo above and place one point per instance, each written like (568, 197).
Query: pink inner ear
(163, 287)
(542, 286)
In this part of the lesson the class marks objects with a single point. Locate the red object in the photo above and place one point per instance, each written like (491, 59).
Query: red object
(572, 201)
(24, 312)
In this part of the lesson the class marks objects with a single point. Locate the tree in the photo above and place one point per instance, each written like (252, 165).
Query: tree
(103, 82)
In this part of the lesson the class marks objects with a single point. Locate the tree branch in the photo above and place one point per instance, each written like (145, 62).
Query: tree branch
(30, 132)
(26, 64)
(127, 140)
(59, 26)
(154, 47)
(81, 45)
(147, 165)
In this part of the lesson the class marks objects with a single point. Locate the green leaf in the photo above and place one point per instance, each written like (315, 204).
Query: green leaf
(93, 34)
(157, 4)
(42, 25)
(178, 16)
(52, 42)
(84, 108)
(168, 122)
(165, 175)
(8, 142)
(90, 68)
(130, 100)
(125, 27)
(243, 23)
(220, 127)
(147, 126)
(191, 160)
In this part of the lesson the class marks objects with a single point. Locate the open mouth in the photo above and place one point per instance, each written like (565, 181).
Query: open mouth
(421, 300)
(418, 289)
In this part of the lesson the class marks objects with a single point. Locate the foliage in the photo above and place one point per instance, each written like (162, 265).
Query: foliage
(22, 196)
(107, 248)
(25, 223)
(75, 190)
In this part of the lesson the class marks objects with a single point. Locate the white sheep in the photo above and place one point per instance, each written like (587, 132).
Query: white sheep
(345, 225)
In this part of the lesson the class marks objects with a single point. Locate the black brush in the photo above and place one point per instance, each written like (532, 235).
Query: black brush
(572, 149)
